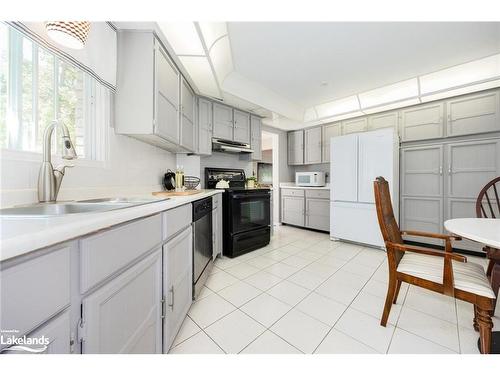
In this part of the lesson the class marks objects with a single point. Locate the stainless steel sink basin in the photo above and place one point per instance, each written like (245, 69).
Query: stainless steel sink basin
(79, 207)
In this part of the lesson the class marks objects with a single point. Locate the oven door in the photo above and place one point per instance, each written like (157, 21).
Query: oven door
(249, 210)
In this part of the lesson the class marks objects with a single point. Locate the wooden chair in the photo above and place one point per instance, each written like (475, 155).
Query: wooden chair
(440, 271)
(488, 206)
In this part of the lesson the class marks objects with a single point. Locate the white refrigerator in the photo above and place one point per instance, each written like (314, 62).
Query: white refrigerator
(356, 160)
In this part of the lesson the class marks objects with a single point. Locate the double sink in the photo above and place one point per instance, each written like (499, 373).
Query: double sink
(75, 207)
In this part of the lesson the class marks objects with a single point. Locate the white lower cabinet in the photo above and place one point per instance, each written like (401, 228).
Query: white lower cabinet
(177, 284)
(57, 331)
(124, 315)
(309, 208)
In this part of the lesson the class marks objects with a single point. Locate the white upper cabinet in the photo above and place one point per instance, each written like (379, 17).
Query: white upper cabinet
(312, 145)
(422, 122)
(296, 147)
(256, 137)
(355, 125)
(187, 116)
(204, 126)
(329, 131)
(384, 120)
(241, 127)
(472, 114)
(223, 122)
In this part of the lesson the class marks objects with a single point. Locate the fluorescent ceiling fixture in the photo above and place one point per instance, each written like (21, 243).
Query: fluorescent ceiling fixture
(220, 55)
(464, 74)
(390, 93)
(388, 107)
(183, 37)
(212, 31)
(337, 107)
(200, 72)
(461, 91)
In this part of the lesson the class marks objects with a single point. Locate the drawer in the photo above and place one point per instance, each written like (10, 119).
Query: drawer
(103, 254)
(33, 291)
(317, 193)
(292, 192)
(176, 219)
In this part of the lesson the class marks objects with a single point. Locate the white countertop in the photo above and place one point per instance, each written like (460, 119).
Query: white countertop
(293, 185)
(22, 235)
(485, 231)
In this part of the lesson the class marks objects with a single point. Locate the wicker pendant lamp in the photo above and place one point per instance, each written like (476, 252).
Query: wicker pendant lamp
(71, 34)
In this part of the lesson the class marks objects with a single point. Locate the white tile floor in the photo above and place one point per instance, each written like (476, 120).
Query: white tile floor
(306, 294)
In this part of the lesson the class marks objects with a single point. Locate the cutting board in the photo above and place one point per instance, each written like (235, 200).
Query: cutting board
(176, 193)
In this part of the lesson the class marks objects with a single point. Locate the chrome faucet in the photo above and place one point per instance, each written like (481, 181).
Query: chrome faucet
(49, 179)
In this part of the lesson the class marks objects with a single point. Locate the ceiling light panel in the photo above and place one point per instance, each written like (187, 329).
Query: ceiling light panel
(460, 75)
(337, 107)
(212, 31)
(310, 115)
(390, 93)
(200, 72)
(183, 37)
(388, 107)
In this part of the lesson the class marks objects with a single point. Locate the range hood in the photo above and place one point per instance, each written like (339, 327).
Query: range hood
(223, 145)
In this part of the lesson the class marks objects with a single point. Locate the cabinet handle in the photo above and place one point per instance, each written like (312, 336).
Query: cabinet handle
(163, 308)
(441, 170)
(449, 169)
(172, 294)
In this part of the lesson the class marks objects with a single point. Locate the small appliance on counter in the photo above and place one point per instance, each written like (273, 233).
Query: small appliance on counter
(246, 219)
(310, 178)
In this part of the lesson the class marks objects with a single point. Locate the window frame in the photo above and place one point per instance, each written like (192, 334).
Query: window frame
(95, 130)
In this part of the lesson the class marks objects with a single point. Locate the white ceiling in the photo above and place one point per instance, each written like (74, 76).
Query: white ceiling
(293, 59)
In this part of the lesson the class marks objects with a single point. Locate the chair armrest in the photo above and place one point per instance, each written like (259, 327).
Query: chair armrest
(426, 251)
(430, 235)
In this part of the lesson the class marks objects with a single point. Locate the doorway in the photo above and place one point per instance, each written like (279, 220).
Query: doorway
(268, 169)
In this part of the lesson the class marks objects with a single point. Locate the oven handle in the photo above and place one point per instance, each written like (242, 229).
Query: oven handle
(241, 196)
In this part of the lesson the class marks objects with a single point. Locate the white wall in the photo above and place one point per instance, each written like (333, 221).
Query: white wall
(132, 167)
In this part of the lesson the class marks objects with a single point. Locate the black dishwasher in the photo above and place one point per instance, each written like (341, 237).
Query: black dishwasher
(202, 243)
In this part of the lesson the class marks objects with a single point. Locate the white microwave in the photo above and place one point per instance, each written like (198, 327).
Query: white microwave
(310, 178)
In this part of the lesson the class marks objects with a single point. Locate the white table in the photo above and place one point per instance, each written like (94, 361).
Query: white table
(487, 232)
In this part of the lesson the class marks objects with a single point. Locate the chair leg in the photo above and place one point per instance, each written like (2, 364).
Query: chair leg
(495, 281)
(398, 286)
(485, 326)
(391, 291)
(475, 324)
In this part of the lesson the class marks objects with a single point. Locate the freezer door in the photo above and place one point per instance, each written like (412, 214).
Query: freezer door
(376, 154)
(344, 168)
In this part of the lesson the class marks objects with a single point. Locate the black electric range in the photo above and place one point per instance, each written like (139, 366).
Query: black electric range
(246, 222)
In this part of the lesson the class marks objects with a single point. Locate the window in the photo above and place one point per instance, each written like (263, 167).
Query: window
(36, 87)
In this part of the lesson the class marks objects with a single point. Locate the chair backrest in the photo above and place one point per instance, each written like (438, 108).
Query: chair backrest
(488, 202)
(385, 214)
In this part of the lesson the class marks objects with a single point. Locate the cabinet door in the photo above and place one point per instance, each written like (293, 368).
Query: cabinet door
(422, 214)
(187, 117)
(292, 210)
(422, 171)
(167, 97)
(178, 283)
(354, 126)
(471, 165)
(312, 149)
(256, 141)
(204, 127)
(318, 214)
(124, 316)
(296, 147)
(241, 127)
(223, 122)
(423, 122)
(473, 114)
(457, 208)
(329, 131)
(384, 120)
